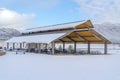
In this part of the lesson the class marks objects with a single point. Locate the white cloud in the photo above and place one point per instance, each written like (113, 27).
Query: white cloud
(12, 19)
(101, 10)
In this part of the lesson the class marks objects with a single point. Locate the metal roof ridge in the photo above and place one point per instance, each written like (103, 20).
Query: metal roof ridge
(56, 24)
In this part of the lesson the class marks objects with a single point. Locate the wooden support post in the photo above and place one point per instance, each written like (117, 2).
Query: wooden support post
(63, 46)
(74, 47)
(88, 47)
(28, 47)
(46, 47)
(39, 50)
(105, 48)
(36, 47)
(53, 48)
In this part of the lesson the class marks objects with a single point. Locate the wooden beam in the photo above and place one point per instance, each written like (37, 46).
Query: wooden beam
(61, 40)
(80, 36)
(86, 25)
(70, 38)
(80, 30)
(95, 42)
(98, 35)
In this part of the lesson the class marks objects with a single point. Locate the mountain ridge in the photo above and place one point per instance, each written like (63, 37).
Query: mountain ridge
(7, 33)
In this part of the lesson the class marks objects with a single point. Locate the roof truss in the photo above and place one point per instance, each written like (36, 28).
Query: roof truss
(84, 35)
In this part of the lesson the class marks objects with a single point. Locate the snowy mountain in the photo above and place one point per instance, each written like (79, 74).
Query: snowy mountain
(6, 33)
(110, 31)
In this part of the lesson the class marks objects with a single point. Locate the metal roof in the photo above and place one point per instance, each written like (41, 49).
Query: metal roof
(44, 38)
(73, 25)
(78, 35)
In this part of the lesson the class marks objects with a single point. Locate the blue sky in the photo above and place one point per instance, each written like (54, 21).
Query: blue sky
(61, 13)
(21, 14)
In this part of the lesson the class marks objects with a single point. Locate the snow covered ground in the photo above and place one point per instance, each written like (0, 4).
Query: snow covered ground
(50, 67)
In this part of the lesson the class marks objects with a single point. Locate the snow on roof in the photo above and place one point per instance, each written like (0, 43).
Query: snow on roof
(54, 27)
(44, 38)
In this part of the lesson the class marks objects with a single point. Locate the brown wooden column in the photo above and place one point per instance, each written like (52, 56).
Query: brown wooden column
(105, 48)
(53, 48)
(88, 47)
(39, 50)
(74, 47)
(28, 47)
(46, 47)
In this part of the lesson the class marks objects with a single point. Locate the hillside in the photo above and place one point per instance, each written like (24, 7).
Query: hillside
(110, 31)
(6, 33)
